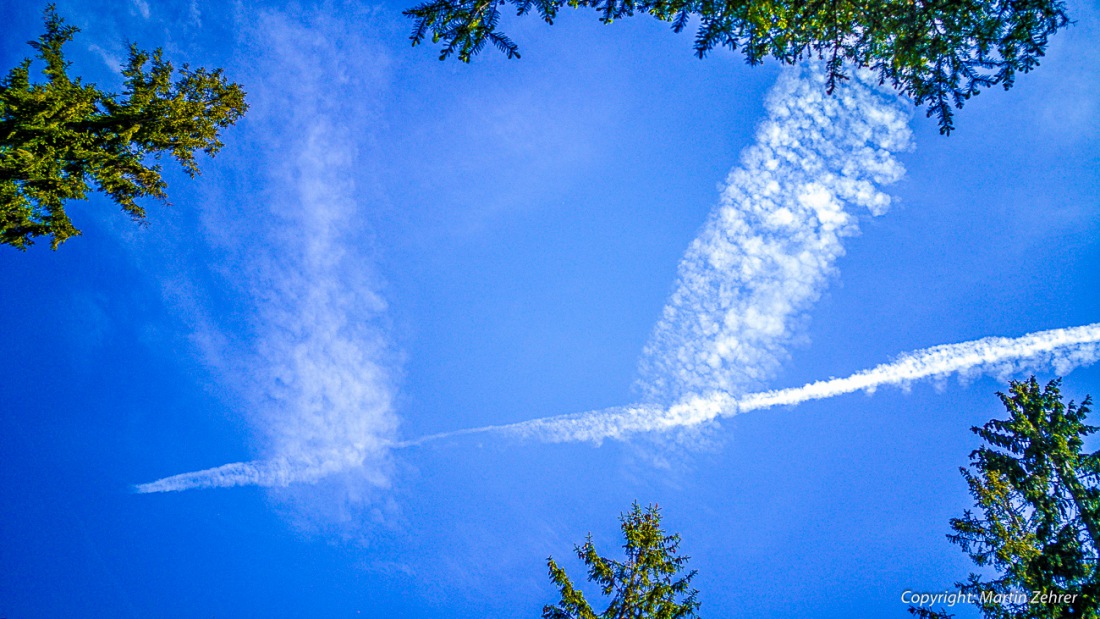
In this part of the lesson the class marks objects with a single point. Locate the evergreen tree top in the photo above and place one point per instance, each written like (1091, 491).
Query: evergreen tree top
(648, 584)
(1037, 518)
(58, 136)
(937, 52)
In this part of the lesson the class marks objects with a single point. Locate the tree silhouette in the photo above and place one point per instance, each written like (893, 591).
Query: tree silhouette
(647, 585)
(58, 136)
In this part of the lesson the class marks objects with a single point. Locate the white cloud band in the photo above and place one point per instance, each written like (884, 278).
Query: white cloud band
(743, 289)
(313, 364)
(770, 246)
(1059, 349)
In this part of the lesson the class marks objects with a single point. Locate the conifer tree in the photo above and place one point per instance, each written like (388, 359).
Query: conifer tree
(937, 52)
(1038, 495)
(59, 135)
(647, 585)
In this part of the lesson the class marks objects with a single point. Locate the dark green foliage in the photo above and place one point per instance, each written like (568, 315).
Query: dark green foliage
(57, 136)
(937, 52)
(648, 585)
(1039, 500)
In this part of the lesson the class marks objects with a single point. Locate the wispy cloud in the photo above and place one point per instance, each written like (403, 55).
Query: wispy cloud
(317, 370)
(1059, 349)
(142, 8)
(743, 290)
(768, 249)
(112, 60)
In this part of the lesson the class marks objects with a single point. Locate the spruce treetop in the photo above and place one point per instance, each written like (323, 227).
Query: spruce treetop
(648, 584)
(1037, 519)
(939, 53)
(60, 137)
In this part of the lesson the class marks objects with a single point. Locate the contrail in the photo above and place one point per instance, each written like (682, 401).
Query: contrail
(742, 293)
(314, 362)
(771, 244)
(274, 473)
(1059, 349)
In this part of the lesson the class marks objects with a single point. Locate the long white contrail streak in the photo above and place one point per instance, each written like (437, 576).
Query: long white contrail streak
(274, 473)
(1059, 349)
(743, 291)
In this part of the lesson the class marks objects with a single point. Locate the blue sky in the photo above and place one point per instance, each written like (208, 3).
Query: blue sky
(391, 247)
